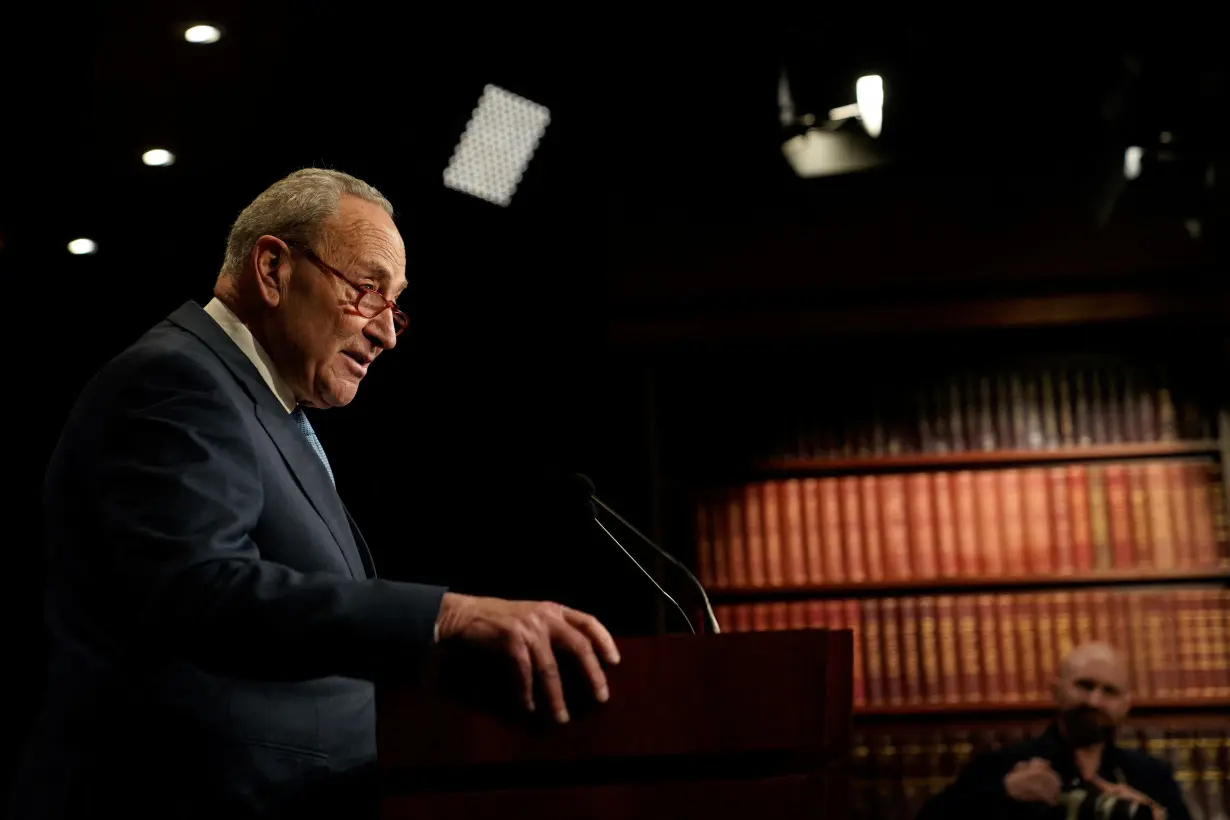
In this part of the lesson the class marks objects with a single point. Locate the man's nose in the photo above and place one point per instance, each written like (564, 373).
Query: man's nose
(382, 331)
(1095, 698)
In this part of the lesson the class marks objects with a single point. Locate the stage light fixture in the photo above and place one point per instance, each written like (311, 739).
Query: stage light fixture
(82, 246)
(869, 96)
(202, 34)
(158, 157)
(497, 145)
(1132, 156)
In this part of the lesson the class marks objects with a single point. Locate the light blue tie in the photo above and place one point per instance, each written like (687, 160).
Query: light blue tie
(305, 427)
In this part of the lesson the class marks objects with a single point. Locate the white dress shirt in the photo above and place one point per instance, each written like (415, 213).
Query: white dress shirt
(242, 336)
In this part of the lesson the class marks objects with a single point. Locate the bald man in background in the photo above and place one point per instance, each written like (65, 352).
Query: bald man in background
(1073, 769)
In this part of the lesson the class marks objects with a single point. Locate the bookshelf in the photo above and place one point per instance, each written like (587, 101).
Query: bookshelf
(971, 517)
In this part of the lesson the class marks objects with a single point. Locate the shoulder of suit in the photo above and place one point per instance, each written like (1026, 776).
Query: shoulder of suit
(1143, 761)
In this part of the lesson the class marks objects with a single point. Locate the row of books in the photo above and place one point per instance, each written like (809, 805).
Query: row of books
(895, 773)
(1150, 515)
(1028, 409)
(1006, 648)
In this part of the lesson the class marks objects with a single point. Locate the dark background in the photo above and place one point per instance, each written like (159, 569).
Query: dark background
(658, 230)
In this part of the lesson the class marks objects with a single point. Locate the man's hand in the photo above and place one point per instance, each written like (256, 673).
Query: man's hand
(1033, 781)
(1126, 792)
(528, 632)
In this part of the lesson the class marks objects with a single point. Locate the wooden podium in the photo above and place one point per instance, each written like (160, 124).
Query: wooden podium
(747, 725)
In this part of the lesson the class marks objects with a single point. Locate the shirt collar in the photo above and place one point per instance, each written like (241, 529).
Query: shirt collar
(245, 341)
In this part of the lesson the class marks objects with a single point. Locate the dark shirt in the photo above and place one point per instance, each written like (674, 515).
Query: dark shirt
(979, 790)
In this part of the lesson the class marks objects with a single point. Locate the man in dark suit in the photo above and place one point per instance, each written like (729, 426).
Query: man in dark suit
(1074, 769)
(216, 620)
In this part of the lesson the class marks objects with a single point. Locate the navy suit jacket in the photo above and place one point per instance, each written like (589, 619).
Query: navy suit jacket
(215, 620)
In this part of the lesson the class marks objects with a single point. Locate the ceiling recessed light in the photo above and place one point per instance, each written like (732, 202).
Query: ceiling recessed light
(158, 156)
(82, 246)
(203, 35)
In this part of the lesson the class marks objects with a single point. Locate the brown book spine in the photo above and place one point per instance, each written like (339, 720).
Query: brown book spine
(966, 523)
(1188, 682)
(1027, 647)
(945, 525)
(1099, 606)
(852, 526)
(1044, 605)
(704, 543)
(830, 523)
(772, 517)
(921, 526)
(1138, 498)
(1221, 522)
(895, 527)
(1170, 642)
(734, 535)
(1204, 542)
(911, 659)
(928, 628)
(724, 613)
(762, 617)
(988, 648)
(967, 637)
(1128, 623)
(1099, 518)
(1065, 630)
(1119, 507)
(744, 622)
(815, 615)
(753, 535)
(1159, 516)
(946, 624)
(1218, 613)
(813, 539)
(873, 543)
(873, 653)
(890, 634)
(1078, 510)
(720, 542)
(796, 549)
(1013, 521)
(798, 615)
(1181, 522)
(1009, 652)
(1061, 520)
(1038, 547)
(1159, 679)
(779, 616)
(987, 498)
(850, 609)
(1082, 617)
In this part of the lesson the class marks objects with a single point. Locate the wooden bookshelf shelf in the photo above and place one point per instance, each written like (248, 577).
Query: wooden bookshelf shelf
(866, 589)
(987, 458)
(1027, 709)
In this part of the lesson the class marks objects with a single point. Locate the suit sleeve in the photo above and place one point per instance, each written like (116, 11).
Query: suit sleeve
(978, 792)
(1171, 796)
(173, 487)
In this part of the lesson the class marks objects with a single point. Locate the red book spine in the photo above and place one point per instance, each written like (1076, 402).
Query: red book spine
(892, 652)
(1043, 604)
(895, 527)
(773, 551)
(743, 618)
(815, 615)
(1189, 682)
(734, 534)
(966, 523)
(873, 653)
(830, 523)
(946, 624)
(779, 616)
(1061, 520)
(1118, 499)
(1009, 652)
(945, 525)
(922, 527)
(930, 650)
(796, 554)
(1138, 502)
(1082, 614)
(1203, 540)
(987, 498)
(762, 617)
(1038, 547)
(798, 615)
(1027, 647)
(967, 637)
(1170, 642)
(1078, 510)
(1013, 521)
(1099, 518)
(724, 613)
(704, 544)
(1100, 606)
(852, 526)
(1065, 629)
(911, 659)
(873, 545)
(753, 535)
(813, 541)
(989, 649)
(1159, 678)
(1131, 611)
(721, 544)
(1176, 485)
(1219, 639)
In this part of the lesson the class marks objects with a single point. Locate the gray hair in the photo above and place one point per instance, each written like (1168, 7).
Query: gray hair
(294, 209)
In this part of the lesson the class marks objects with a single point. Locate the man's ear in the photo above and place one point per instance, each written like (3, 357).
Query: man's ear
(270, 263)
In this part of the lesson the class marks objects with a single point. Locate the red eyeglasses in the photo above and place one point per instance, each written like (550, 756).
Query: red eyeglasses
(370, 302)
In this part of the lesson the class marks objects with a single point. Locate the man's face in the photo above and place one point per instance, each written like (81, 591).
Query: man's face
(325, 344)
(1092, 696)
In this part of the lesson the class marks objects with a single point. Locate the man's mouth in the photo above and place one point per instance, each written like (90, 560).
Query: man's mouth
(361, 362)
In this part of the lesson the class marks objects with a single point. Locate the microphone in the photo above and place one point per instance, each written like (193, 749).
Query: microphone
(583, 486)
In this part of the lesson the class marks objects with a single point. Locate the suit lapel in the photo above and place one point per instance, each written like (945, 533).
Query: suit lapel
(303, 464)
(361, 543)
